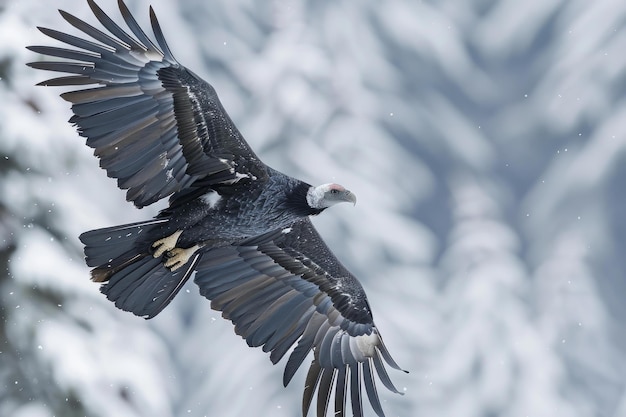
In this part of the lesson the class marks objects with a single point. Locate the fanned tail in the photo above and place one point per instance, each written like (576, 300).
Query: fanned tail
(132, 278)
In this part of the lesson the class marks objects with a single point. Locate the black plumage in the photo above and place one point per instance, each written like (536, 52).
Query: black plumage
(242, 227)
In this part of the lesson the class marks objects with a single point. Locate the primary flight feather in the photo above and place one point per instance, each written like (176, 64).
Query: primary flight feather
(241, 226)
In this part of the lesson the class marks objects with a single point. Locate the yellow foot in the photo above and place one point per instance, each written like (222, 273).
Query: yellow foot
(166, 244)
(178, 257)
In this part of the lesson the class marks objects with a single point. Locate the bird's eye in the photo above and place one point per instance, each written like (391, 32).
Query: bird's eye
(333, 191)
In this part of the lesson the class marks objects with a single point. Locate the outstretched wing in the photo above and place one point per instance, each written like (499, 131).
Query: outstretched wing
(156, 126)
(285, 287)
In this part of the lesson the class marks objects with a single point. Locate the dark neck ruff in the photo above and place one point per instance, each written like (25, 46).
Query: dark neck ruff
(296, 201)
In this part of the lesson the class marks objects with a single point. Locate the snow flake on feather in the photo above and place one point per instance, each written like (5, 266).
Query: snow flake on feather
(367, 344)
(226, 162)
(238, 177)
(211, 198)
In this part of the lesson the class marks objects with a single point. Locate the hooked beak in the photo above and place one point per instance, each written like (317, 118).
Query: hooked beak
(349, 197)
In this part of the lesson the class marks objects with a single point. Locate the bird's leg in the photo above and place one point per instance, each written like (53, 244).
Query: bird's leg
(166, 244)
(178, 257)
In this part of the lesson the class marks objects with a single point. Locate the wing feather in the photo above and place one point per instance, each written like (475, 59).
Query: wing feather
(325, 389)
(63, 81)
(112, 27)
(285, 288)
(76, 41)
(158, 34)
(312, 380)
(356, 398)
(273, 318)
(305, 344)
(85, 56)
(286, 319)
(136, 29)
(96, 34)
(370, 388)
(340, 391)
(383, 375)
(147, 101)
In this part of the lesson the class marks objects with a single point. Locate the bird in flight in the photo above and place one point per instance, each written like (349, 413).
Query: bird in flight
(241, 226)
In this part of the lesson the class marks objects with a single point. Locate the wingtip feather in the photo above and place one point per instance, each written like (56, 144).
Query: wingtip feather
(370, 388)
(158, 33)
(312, 380)
(67, 16)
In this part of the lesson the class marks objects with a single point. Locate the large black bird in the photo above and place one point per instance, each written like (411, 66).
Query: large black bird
(241, 226)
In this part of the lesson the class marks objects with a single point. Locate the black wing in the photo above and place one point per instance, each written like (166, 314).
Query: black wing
(285, 287)
(155, 125)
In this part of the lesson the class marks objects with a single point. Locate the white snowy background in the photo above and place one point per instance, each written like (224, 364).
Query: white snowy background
(485, 140)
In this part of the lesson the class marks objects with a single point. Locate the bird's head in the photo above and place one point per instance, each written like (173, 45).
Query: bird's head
(326, 195)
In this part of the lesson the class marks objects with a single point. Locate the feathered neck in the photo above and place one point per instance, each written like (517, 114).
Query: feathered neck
(296, 200)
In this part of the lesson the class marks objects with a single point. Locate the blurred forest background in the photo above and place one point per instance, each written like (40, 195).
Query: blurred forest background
(485, 140)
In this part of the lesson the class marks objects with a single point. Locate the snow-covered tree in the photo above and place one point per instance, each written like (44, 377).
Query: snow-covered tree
(485, 141)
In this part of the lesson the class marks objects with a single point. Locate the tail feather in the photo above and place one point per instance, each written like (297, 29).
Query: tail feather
(102, 246)
(132, 278)
(147, 287)
(104, 272)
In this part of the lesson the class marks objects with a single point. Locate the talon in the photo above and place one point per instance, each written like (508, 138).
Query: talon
(166, 244)
(178, 257)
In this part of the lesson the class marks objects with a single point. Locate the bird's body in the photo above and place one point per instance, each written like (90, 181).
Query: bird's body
(219, 211)
(242, 227)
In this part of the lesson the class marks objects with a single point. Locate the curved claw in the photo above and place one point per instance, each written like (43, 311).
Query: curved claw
(178, 257)
(166, 244)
